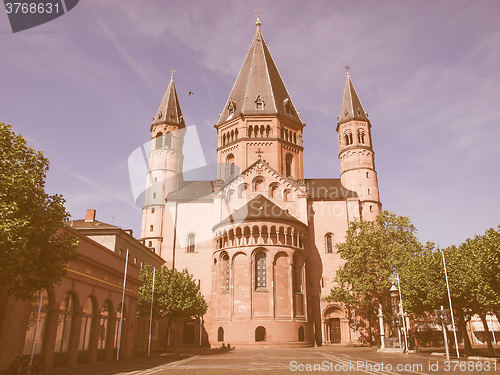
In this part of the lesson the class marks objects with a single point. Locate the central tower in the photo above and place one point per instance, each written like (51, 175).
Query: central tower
(259, 119)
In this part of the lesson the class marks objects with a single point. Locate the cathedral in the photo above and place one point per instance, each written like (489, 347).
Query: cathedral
(260, 239)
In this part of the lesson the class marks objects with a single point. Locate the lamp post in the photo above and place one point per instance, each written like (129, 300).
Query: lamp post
(401, 311)
(442, 317)
(395, 320)
(381, 323)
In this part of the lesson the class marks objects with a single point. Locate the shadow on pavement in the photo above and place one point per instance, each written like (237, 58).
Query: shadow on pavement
(139, 362)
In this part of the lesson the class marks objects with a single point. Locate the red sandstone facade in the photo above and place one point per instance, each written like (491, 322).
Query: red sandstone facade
(80, 316)
(260, 239)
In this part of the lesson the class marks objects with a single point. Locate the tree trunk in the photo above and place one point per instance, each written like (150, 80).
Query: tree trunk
(487, 333)
(370, 325)
(167, 335)
(463, 329)
(497, 314)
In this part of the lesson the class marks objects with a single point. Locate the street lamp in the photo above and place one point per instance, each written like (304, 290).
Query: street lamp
(402, 313)
(396, 322)
(443, 317)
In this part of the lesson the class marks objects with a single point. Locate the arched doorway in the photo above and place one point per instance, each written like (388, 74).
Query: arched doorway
(63, 330)
(85, 331)
(332, 330)
(188, 332)
(42, 323)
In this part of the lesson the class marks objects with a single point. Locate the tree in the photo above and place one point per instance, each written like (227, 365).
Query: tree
(423, 284)
(176, 294)
(33, 250)
(373, 251)
(474, 278)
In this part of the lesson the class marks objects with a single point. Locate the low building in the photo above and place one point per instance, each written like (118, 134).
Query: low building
(80, 317)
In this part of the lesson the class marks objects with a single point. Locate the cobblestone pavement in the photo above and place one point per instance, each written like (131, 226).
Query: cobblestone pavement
(318, 360)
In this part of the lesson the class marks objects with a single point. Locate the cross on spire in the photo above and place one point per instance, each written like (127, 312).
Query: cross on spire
(172, 73)
(258, 11)
(347, 67)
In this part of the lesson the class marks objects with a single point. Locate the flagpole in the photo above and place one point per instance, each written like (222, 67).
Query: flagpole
(151, 313)
(36, 331)
(121, 312)
(451, 306)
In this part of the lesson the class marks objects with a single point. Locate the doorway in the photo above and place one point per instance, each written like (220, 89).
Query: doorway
(188, 332)
(335, 333)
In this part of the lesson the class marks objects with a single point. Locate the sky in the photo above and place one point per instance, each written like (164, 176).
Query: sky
(83, 88)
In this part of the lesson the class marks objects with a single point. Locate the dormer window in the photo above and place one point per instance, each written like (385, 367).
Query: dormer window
(231, 107)
(287, 105)
(259, 103)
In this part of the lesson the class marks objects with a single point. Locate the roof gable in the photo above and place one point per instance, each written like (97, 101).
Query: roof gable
(259, 209)
(259, 88)
(261, 168)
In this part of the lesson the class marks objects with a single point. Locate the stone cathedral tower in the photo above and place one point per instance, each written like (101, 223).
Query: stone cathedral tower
(165, 167)
(260, 108)
(357, 158)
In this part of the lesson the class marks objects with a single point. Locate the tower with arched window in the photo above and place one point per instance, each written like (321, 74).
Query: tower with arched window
(165, 166)
(259, 120)
(357, 158)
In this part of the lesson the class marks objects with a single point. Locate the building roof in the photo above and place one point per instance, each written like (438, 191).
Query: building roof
(85, 224)
(351, 108)
(170, 110)
(259, 209)
(258, 80)
(328, 189)
(193, 191)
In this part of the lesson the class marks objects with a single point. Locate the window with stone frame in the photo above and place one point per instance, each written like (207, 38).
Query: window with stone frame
(329, 243)
(191, 243)
(159, 140)
(167, 141)
(260, 270)
(224, 272)
(361, 136)
(298, 280)
(348, 138)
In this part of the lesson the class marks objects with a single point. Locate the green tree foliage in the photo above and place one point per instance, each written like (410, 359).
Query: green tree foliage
(33, 253)
(176, 294)
(423, 284)
(474, 279)
(373, 251)
(474, 275)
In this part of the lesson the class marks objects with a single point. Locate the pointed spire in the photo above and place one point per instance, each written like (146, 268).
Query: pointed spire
(351, 108)
(259, 88)
(170, 109)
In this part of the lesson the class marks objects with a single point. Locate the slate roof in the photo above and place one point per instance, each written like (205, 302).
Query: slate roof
(351, 108)
(82, 224)
(193, 191)
(170, 109)
(258, 79)
(328, 189)
(259, 209)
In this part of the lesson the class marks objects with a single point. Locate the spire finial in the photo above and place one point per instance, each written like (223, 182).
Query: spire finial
(172, 73)
(258, 11)
(347, 67)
